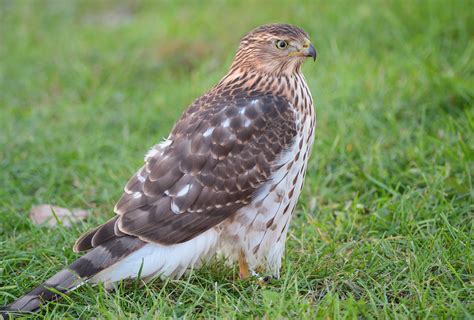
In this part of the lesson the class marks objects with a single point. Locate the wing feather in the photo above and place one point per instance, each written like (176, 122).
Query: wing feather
(216, 158)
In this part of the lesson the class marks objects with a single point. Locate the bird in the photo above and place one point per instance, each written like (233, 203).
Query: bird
(224, 182)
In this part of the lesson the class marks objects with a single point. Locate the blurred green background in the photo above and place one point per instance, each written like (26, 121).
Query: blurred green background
(384, 228)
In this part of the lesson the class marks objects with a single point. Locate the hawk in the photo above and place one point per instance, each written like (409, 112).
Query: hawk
(225, 181)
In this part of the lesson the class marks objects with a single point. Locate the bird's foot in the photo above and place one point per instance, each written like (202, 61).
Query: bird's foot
(263, 280)
(244, 272)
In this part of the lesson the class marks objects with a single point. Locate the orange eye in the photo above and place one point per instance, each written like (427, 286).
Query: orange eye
(281, 44)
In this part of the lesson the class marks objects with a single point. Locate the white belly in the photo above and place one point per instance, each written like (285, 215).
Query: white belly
(260, 229)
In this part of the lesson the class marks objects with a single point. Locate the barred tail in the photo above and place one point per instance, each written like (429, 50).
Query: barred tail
(76, 274)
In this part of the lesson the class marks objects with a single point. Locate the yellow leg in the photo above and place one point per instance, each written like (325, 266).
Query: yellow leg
(243, 266)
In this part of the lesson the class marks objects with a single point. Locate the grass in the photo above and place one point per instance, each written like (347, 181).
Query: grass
(384, 228)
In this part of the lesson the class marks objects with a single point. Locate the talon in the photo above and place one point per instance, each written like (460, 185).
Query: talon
(268, 279)
(263, 280)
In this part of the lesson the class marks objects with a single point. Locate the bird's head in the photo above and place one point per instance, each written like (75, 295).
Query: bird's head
(275, 49)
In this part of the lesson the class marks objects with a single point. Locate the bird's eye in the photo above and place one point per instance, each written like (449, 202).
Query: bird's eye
(281, 44)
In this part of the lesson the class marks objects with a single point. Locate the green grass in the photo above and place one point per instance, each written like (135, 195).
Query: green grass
(384, 228)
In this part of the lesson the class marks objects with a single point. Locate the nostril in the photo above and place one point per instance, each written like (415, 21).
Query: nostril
(305, 46)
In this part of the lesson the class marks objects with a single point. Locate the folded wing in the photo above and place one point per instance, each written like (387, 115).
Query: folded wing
(215, 160)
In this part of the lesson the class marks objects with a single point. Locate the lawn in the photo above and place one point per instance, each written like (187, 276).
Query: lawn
(384, 227)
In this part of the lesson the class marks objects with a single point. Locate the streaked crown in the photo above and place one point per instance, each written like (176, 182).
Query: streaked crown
(273, 49)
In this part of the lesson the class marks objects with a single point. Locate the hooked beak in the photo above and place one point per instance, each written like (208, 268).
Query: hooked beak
(307, 50)
(310, 51)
